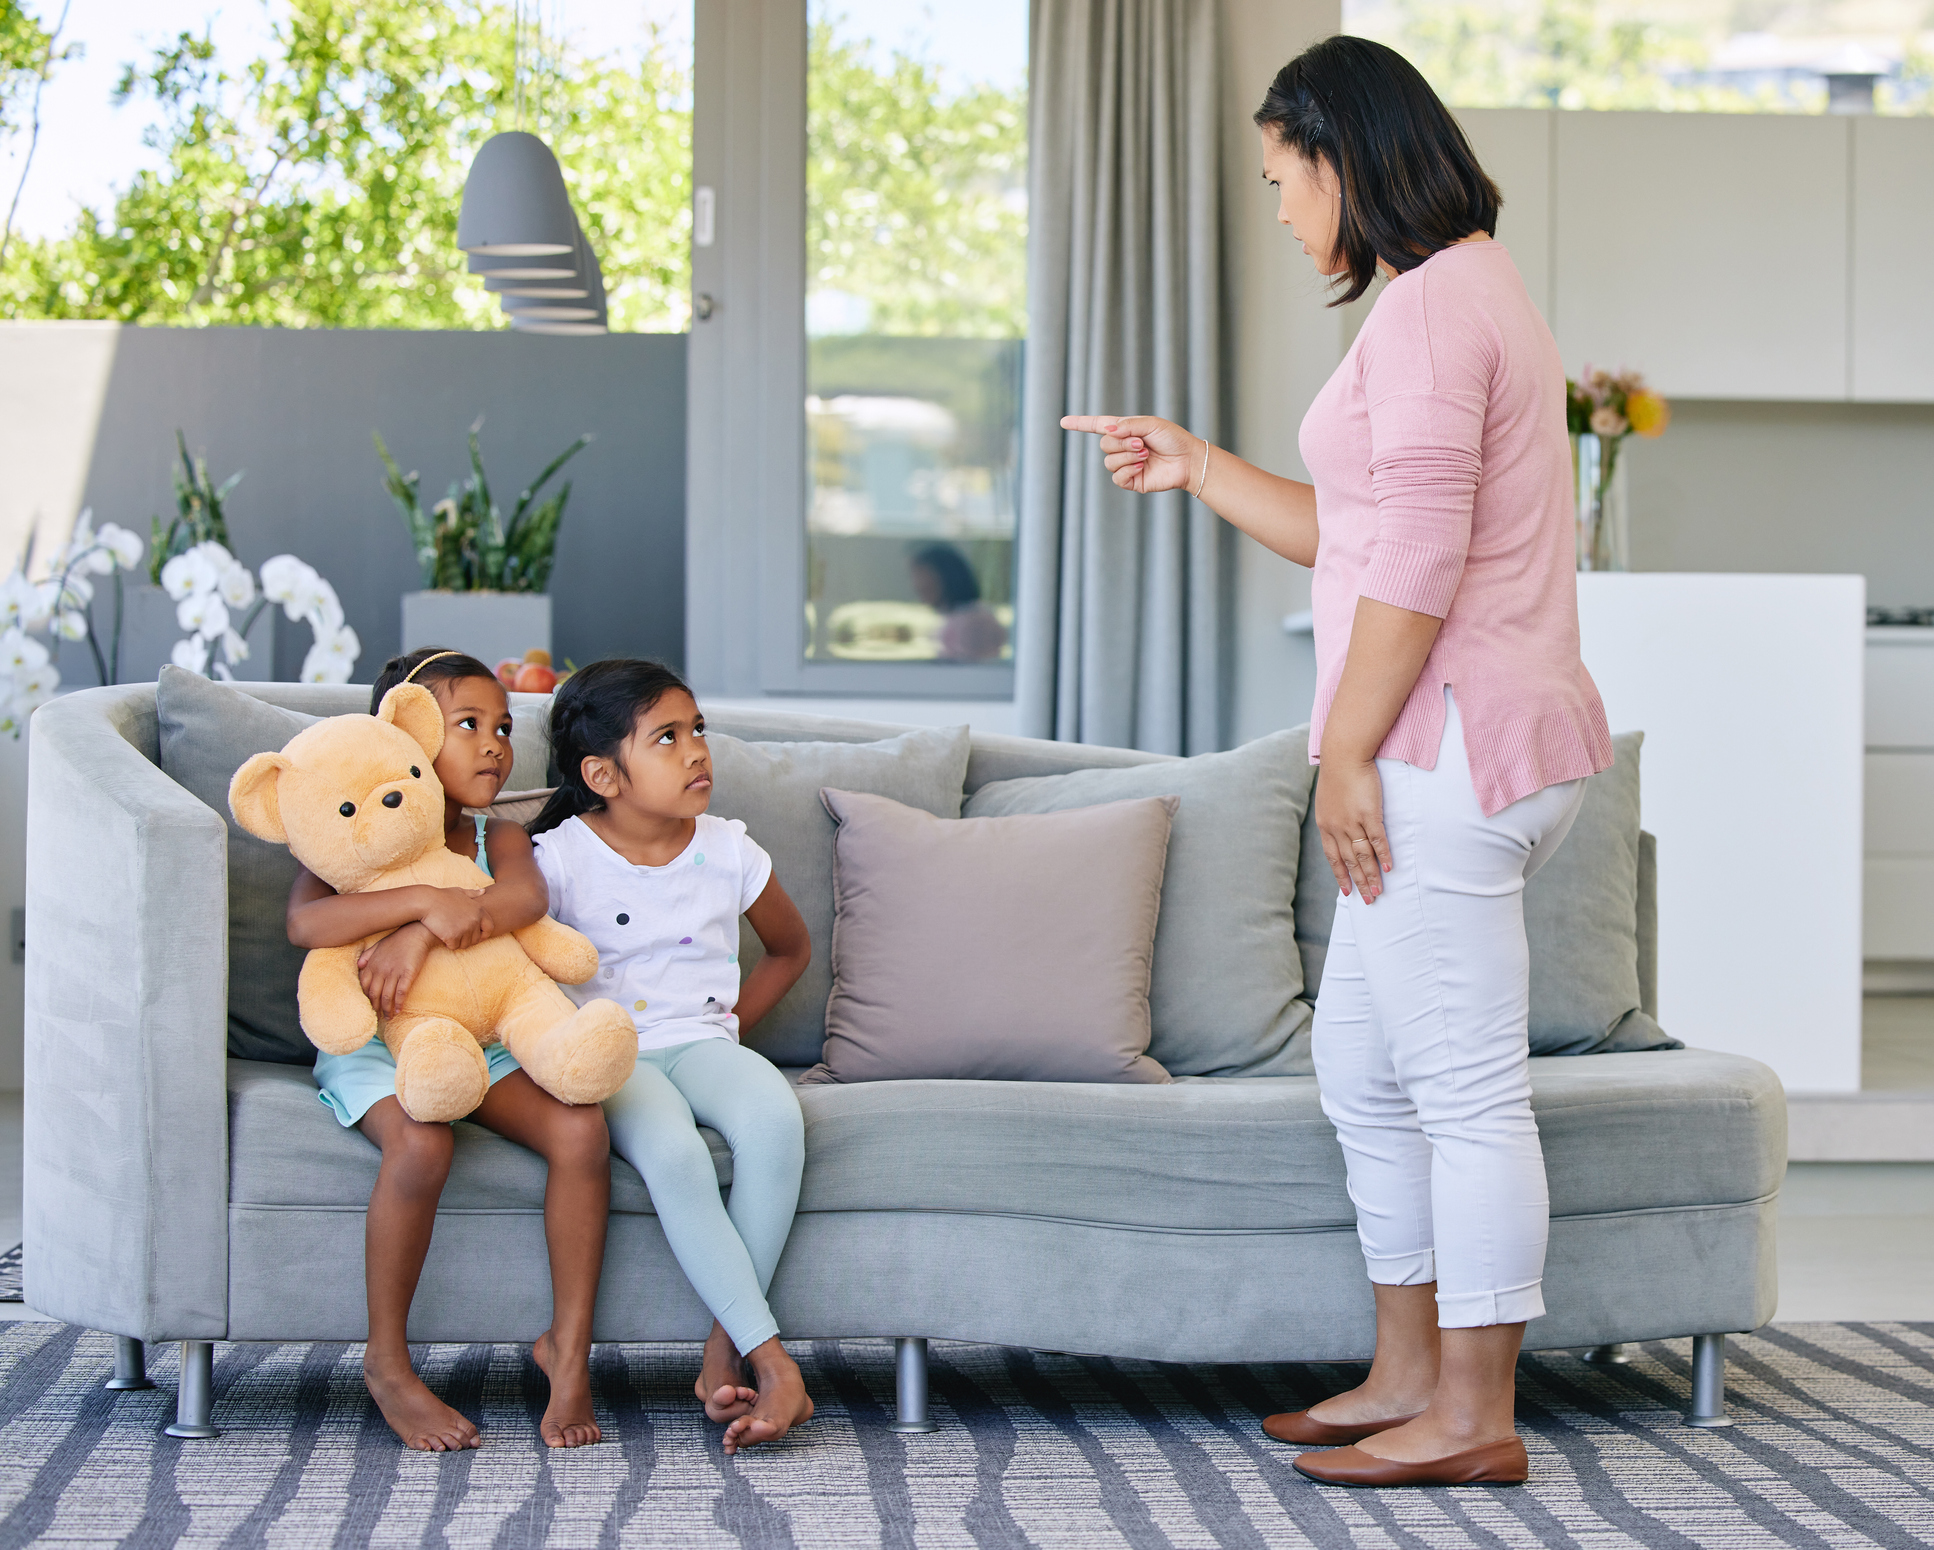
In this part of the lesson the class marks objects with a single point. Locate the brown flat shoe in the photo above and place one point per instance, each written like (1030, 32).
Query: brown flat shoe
(1496, 1463)
(1301, 1426)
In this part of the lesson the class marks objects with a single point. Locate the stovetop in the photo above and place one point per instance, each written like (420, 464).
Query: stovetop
(1916, 618)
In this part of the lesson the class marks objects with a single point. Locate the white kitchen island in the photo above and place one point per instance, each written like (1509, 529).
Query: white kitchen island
(1749, 690)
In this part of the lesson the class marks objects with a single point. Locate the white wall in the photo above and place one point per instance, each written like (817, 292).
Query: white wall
(1284, 343)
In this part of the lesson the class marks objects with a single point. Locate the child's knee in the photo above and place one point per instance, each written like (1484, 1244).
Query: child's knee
(579, 1139)
(419, 1151)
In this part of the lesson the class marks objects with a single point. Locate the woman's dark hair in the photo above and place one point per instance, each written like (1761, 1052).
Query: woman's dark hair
(592, 714)
(958, 584)
(1410, 181)
(448, 667)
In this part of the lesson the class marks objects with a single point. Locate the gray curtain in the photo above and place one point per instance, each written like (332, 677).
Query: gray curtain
(1124, 600)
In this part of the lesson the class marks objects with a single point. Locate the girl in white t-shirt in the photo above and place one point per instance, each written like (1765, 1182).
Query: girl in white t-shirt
(636, 863)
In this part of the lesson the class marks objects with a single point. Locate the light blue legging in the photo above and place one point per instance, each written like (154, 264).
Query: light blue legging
(728, 1253)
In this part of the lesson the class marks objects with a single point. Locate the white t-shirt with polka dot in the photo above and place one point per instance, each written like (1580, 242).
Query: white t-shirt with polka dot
(667, 936)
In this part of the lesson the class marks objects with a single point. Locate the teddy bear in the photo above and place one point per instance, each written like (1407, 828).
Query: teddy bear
(356, 801)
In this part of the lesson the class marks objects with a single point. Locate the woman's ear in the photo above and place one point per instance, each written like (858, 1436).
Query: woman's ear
(253, 799)
(413, 709)
(599, 776)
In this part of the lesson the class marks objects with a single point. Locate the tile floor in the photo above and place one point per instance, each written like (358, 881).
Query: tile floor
(1856, 1239)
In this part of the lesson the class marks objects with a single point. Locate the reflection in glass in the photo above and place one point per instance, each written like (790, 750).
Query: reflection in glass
(915, 307)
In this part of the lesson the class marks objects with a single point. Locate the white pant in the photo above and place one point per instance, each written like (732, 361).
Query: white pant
(1421, 1043)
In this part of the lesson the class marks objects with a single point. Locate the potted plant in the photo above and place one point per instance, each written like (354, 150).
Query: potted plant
(484, 575)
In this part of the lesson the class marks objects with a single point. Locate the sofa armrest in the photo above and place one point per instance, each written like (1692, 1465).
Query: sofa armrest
(1649, 925)
(125, 1206)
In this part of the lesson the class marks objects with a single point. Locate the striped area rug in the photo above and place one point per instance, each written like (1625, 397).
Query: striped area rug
(1834, 1446)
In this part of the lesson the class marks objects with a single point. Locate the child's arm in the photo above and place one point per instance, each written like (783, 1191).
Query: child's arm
(320, 917)
(519, 895)
(782, 931)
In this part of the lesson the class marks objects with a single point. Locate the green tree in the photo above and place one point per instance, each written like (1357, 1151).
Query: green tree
(1558, 53)
(915, 200)
(319, 185)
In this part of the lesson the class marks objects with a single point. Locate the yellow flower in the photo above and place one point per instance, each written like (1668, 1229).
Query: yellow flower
(1649, 413)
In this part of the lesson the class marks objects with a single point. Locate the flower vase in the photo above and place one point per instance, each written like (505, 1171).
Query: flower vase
(1604, 519)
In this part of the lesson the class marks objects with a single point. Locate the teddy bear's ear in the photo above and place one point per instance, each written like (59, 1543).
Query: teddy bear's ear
(252, 797)
(415, 710)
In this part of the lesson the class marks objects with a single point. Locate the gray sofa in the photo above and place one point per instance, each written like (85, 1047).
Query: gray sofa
(176, 1193)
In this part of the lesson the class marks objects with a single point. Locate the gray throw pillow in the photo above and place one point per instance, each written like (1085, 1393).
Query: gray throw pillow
(1581, 914)
(999, 949)
(774, 788)
(207, 730)
(1580, 919)
(1226, 996)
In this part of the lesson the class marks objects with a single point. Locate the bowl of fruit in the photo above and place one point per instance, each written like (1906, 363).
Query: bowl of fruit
(534, 674)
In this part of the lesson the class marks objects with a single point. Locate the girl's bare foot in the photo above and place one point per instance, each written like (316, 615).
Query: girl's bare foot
(417, 1416)
(721, 1384)
(567, 1419)
(780, 1405)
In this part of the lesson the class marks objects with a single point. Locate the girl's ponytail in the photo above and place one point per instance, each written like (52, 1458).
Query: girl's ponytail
(592, 714)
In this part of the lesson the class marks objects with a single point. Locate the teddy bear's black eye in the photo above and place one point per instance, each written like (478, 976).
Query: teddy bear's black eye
(415, 773)
(348, 809)
(624, 920)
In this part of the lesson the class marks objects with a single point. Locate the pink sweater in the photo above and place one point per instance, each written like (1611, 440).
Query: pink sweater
(1443, 485)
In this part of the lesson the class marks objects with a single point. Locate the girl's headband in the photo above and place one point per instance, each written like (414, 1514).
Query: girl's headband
(428, 660)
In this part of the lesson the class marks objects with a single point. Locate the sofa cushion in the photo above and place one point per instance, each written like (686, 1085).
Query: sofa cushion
(206, 730)
(1060, 906)
(1225, 999)
(774, 788)
(1668, 1129)
(286, 1148)
(1580, 920)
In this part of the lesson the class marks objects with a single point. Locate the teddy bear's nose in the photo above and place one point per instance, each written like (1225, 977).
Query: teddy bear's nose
(394, 799)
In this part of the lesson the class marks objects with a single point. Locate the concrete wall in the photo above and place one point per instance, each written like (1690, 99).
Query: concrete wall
(88, 414)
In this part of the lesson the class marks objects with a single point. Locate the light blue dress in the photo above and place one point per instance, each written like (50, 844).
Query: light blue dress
(355, 1083)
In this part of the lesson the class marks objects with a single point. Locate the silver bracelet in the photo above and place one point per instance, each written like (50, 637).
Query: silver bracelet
(1203, 483)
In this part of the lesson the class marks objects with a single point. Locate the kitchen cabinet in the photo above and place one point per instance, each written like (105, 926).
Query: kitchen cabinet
(1708, 249)
(1893, 232)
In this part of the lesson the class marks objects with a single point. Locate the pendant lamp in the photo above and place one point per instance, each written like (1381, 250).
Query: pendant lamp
(557, 290)
(514, 201)
(559, 270)
(535, 314)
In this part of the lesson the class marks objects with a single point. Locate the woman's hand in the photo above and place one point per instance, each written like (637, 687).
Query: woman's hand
(389, 968)
(457, 918)
(1143, 453)
(1349, 815)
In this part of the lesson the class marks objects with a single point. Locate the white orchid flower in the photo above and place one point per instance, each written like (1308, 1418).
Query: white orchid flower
(98, 558)
(34, 687)
(82, 537)
(325, 611)
(20, 604)
(237, 586)
(126, 547)
(77, 593)
(282, 576)
(203, 614)
(194, 573)
(191, 653)
(20, 652)
(332, 657)
(69, 625)
(45, 600)
(234, 648)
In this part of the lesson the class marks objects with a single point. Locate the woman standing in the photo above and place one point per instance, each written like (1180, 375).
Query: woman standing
(1454, 724)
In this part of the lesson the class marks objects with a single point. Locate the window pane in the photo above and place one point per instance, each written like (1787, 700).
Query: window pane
(1746, 56)
(916, 255)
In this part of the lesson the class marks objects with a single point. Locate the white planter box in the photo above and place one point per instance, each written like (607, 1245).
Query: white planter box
(488, 625)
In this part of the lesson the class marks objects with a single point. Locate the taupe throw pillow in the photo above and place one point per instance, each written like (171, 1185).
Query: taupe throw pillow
(1003, 949)
(774, 789)
(1226, 996)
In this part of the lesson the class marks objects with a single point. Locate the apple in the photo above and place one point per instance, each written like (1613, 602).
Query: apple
(541, 658)
(507, 671)
(535, 678)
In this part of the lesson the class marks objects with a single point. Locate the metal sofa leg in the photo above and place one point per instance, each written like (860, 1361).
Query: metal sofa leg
(195, 1398)
(130, 1365)
(1608, 1355)
(1708, 1382)
(910, 1385)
